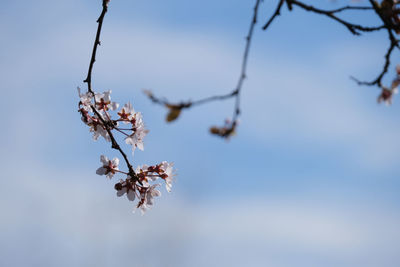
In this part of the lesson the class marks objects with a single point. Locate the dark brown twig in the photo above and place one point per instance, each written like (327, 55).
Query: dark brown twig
(393, 43)
(378, 80)
(350, 8)
(88, 80)
(276, 13)
(353, 28)
(243, 75)
(114, 143)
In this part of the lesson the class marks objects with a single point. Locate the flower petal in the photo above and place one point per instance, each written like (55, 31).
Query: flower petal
(104, 160)
(131, 195)
(101, 171)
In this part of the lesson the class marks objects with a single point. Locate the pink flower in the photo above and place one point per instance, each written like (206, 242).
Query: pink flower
(167, 174)
(109, 167)
(147, 195)
(103, 101)
(126, 187)
(387, 95)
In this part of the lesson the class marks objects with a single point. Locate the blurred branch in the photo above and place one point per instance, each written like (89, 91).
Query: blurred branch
(177, 107)
(387, 12)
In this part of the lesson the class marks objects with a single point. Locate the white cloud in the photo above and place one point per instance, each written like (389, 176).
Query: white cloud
(58, 217)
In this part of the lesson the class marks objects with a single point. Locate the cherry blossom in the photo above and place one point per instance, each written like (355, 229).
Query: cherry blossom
(85, 100)
(147, 195)
(137, 184)
(103, 101)
(97, 111)
(167, 174)
(387, 95)
(126, 187)
(109, 168)
(139, 132)
(98, 129)
(127, 113)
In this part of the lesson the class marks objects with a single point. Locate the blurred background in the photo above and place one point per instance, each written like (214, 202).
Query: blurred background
(310, 179)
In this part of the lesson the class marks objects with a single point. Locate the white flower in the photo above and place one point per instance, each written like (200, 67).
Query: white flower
(109, 166)
(396, 81)
(103, 101)
(85, 100)
(136, 138)
(147, 196)
(130, 193)
(143, 175)
(151, 193)
(387, 95)
(127, 113)
(96, 127)
(125, 187)
(167, 174)
(139, 132)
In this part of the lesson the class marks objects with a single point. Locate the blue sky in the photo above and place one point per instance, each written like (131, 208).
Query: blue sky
(311, 179)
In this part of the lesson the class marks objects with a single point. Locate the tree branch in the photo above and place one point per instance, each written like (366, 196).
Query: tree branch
(242, 76)
(235, 93)
(393, 43)
(378, 80)
(353, 28)
(276, 13)
(88, 79)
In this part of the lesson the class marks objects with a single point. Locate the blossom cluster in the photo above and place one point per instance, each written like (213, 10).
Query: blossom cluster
(95, 110)
(387, 93)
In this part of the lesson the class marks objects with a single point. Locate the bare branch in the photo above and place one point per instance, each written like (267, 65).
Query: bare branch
(351, 8)
(244, 62)
(88, 79)
(353, 28)
(177, 107)
(276, 13)
(378, 80)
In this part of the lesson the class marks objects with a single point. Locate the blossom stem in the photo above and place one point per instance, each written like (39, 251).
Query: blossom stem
(120, 171)
(119, 130)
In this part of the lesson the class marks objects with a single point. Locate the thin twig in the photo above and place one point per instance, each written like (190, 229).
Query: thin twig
(242, 76)
(114, 143)
(353, 28)
(393, 43)
(351, 8)
(88, 79)
(276, 13)
(378, 80)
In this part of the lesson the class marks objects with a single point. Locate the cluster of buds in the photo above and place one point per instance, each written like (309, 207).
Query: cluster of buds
(389, 12)
(387, 93)
(225, 131)
(95, 110)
